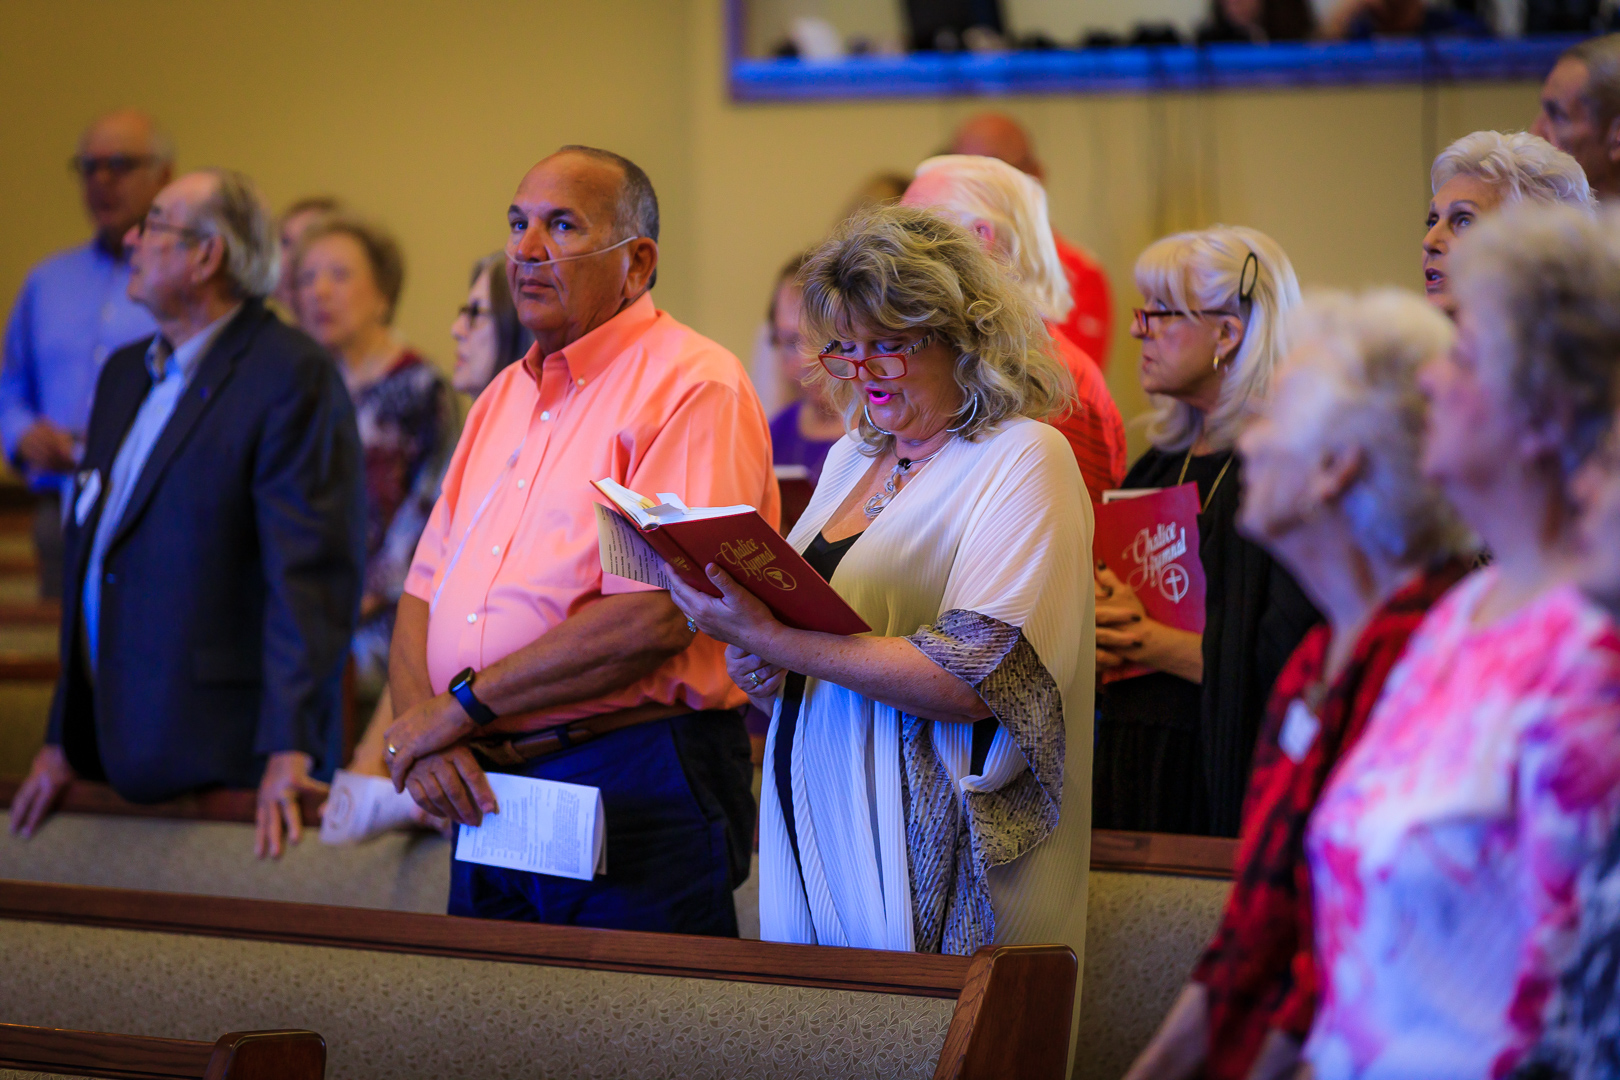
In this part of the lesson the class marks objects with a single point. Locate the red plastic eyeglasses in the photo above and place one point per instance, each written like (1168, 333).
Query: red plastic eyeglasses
(881, 366)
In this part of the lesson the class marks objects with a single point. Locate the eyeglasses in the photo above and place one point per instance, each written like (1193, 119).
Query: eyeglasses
(473, 312)
(147, 224)
(1142, 318)
(881, 366)
(117, 166)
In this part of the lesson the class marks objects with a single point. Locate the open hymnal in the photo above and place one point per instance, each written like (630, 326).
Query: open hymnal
(646, 541)
(360, 807)
(542, 826)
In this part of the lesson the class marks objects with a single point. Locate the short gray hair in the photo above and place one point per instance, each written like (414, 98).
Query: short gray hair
(1601, 55)
(1522, 166)
(1542, 285)
(1015, 203)
(237, 215)
(1361, 354)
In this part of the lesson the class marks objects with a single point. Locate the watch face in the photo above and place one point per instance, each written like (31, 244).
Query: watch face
(462, 679)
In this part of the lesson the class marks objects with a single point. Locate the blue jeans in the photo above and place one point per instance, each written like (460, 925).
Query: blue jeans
(678, 801)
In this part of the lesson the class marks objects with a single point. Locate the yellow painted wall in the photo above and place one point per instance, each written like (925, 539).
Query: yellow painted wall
(425, 116)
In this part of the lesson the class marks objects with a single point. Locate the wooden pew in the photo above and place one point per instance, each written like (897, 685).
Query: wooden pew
(405, 995)
(239, 1055)
(1153, 904)
(203, 844)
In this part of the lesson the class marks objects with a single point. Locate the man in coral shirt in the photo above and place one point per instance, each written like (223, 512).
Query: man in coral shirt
(1006, 210)
(512, 650)
(1090, 322)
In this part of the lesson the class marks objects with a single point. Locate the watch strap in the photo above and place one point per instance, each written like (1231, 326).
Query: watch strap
(462, 688)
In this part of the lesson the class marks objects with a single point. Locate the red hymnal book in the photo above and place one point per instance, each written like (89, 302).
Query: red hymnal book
(1149, 539)
(645, 541)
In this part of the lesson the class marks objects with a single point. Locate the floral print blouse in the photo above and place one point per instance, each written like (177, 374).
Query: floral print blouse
(1445, 852)
(407, 429)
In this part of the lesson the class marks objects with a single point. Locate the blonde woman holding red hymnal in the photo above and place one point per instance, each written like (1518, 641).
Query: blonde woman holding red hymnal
(926, 785)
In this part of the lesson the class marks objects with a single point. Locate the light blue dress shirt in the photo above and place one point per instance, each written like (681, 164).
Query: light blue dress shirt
(171, 373)
(72, 313)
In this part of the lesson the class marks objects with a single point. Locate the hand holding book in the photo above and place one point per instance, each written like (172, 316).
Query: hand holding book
(651, 542)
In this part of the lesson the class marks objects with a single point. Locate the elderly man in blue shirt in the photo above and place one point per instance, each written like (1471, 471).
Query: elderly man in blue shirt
(72, 313)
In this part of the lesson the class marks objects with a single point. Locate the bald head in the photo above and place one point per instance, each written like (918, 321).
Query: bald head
(581, 243)
(124, 160)
(999, 136)
(131, 131)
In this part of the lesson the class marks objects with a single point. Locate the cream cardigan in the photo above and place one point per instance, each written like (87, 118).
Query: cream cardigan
(984, 562)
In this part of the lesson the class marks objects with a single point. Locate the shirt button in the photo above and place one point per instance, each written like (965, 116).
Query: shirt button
(579, 382)
(521, 483)
(546, 415)
(112, 579)
(496, 550)
(473, 617)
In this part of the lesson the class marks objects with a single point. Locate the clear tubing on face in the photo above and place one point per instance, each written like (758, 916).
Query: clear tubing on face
(518, 260)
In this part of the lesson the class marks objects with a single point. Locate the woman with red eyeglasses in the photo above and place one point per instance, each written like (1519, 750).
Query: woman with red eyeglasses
(1173, 745)
(925, 784)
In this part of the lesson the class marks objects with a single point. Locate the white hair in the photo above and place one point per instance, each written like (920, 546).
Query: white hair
(1204, 271)
(1542, 286)
(1014, 203)
(237, 214)
(1361, 355)
(1522, 166)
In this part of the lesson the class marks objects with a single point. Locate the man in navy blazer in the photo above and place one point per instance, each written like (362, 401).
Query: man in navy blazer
(215, 535)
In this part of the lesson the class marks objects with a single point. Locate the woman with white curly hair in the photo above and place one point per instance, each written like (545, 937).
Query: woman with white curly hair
(1332, 490)
(926, 785)
(1445, 849)
(1480, 174)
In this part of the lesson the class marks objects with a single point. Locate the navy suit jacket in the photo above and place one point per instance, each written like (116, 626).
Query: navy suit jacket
(231, 589)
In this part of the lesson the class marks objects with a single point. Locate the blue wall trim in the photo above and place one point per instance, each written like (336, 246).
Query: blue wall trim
(1130, 69)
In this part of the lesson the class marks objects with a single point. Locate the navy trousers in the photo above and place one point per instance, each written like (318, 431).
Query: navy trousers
(679, 806)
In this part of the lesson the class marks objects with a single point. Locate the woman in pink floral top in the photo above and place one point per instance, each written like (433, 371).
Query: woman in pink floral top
(1445, 851)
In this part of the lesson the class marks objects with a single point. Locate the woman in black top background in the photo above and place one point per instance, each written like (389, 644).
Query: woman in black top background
(1173, 746)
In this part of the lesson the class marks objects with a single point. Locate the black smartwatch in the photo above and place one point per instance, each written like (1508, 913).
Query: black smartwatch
(461, 687)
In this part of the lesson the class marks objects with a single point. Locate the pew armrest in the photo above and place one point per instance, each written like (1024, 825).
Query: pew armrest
(268, 1055)
(241, 1055)
(1012, 1018)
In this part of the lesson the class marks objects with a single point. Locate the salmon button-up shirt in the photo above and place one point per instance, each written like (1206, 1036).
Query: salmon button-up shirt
(510, 550)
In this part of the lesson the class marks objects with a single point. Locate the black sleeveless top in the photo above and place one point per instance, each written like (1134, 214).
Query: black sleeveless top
(823, 556)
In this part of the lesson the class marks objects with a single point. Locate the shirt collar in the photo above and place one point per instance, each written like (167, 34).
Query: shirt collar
(590, 356)
(160, 354)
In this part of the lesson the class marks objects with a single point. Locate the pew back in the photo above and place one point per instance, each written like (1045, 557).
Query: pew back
(405, 995)
(1154, 899)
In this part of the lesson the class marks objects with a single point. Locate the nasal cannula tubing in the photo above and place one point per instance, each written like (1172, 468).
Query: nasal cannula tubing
(520, 261)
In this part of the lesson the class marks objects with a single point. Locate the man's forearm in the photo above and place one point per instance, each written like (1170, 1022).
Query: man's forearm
(607, 646)
(408, 683)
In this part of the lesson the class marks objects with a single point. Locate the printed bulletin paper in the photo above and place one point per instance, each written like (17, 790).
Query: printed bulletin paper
(360, 807)
(544, 827)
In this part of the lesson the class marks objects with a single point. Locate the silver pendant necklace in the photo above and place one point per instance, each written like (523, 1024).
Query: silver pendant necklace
(891, 486)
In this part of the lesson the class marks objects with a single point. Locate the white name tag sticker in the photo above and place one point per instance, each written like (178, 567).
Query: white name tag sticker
(89, 492)
(1299, 731)
(544, 827)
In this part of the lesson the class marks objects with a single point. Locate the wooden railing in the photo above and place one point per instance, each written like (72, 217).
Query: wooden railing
(1111, 850)
(240, 1055)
